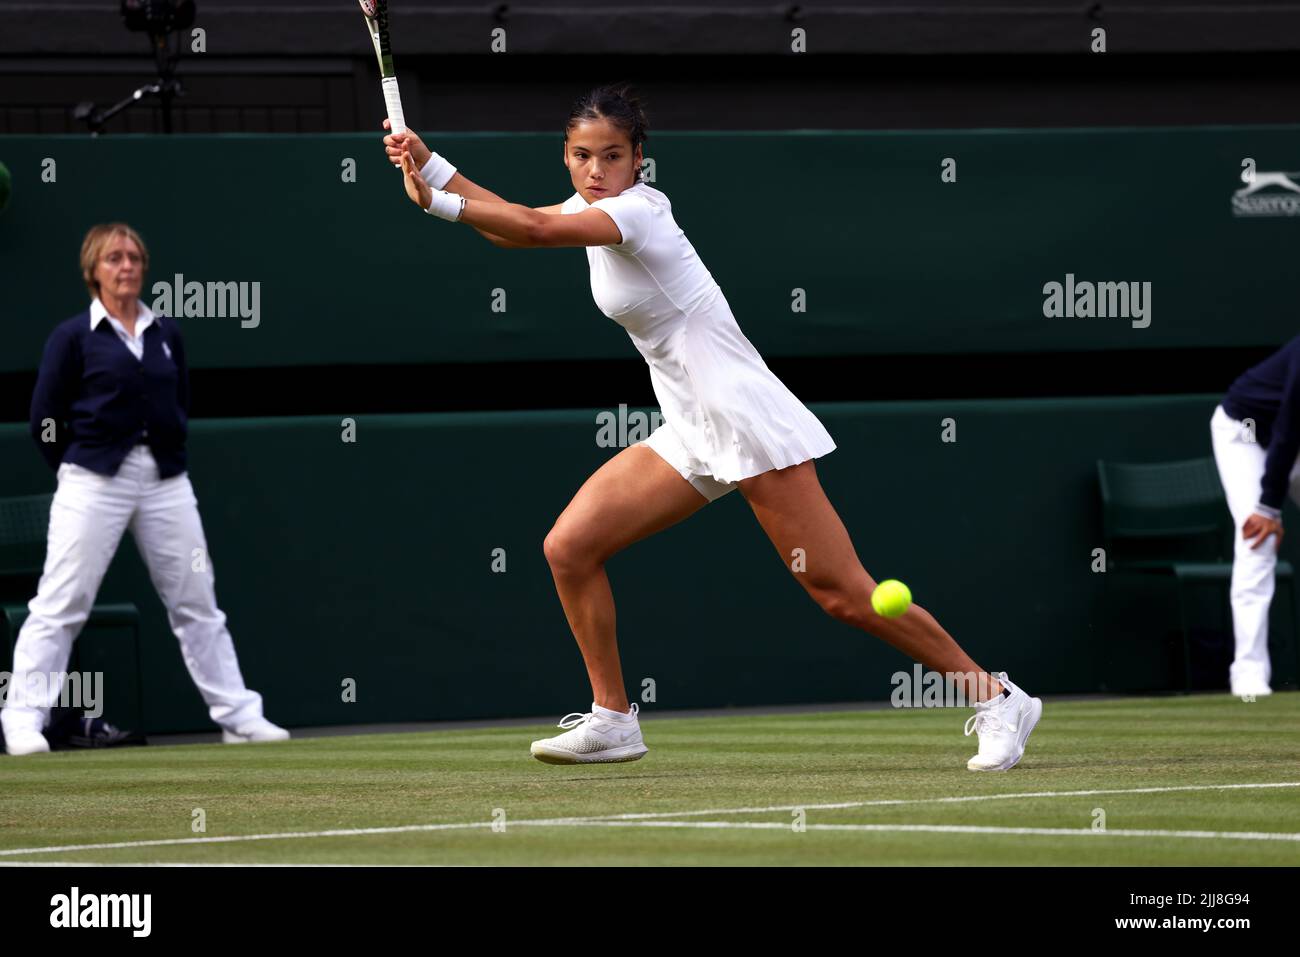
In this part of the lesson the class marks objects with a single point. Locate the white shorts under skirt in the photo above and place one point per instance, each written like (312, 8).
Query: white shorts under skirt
(665, 442)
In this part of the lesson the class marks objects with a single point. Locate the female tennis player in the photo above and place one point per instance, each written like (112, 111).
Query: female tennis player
(728, 423)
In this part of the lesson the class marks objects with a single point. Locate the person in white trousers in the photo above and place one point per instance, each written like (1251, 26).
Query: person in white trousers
(1256, 437)
(109, 412)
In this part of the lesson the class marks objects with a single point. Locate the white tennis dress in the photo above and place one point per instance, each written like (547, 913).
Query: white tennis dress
(726, 416)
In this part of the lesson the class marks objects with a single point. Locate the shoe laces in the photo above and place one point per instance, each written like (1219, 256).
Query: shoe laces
(984, 721)
(575, 718)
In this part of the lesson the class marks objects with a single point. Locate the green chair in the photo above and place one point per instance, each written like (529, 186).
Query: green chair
(24, 524)
(1171, 518)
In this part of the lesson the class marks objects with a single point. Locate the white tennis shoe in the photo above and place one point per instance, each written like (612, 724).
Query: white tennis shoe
(26, 742)
(1003, 725)
(1248, 690)
(592, 738)
(257, 730)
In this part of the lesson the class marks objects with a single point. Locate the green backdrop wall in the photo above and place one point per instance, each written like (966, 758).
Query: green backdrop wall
(891, 259)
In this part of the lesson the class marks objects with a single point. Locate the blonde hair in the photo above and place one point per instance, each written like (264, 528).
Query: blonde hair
(92, 247)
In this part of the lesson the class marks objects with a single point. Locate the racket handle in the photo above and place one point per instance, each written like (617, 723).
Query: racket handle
(393, 100)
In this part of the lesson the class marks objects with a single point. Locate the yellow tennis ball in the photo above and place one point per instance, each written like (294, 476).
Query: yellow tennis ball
(891, 598)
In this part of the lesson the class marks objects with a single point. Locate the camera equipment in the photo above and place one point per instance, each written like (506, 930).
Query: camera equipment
(160, 19)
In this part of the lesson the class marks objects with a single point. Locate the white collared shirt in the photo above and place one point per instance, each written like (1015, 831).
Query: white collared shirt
(143, 320)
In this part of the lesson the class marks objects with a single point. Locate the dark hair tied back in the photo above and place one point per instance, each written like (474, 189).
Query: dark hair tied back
(617, 103)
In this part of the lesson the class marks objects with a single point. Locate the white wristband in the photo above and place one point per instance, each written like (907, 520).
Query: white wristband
(437, 172)
(446, 206)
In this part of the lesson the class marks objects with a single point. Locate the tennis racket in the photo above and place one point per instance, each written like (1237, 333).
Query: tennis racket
(376, 14)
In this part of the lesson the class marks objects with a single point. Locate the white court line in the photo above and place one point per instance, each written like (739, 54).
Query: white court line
(188, 864)
(954, 829)
(645, 816)
(963, 799)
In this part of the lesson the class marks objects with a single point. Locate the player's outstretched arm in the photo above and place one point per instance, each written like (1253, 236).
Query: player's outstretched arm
(510, 224)
(524, 227)
(504, 243)
(396, 144)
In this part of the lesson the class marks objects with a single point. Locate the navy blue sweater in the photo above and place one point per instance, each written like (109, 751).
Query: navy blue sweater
(1269, 393)
(103, 400)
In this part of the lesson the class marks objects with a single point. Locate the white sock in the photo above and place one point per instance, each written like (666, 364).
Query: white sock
(613, 715)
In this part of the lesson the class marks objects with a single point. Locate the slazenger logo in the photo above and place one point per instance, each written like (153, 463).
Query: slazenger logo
(102, 910)
(1267, 194)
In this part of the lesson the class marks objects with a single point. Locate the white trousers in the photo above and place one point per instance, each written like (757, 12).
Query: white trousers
(87, 518)
(1241, 466)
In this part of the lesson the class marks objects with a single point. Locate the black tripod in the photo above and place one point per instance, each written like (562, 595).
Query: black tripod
(160, 19)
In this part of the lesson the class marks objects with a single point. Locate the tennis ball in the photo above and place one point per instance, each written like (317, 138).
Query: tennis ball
(6, 185)
(891, 598)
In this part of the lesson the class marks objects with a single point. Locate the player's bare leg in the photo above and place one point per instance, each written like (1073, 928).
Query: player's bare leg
(632, 496)
(794, 511)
